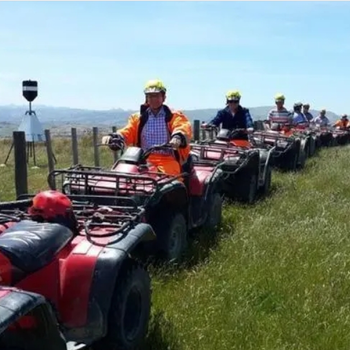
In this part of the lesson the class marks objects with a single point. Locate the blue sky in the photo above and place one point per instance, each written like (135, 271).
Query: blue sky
(98, 55)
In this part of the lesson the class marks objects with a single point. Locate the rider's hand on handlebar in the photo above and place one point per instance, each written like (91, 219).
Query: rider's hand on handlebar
(175, 142)
(114, 141)
(105, 140)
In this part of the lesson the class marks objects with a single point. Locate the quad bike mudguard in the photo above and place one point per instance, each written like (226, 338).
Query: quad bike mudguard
(108, 262)
(24, 312)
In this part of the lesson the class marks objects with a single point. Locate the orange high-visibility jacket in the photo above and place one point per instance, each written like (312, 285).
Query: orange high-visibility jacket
(178, 124)
(342, 123)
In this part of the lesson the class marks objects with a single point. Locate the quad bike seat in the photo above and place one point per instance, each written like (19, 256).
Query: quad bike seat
(30, 245)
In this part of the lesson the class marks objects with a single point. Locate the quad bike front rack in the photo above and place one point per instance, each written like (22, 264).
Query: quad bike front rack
(83, 180)
(115, 220)
(279, 151)
(225, 152)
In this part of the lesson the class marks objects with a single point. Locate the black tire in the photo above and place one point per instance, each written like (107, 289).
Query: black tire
(265, 189)
(171, 231)
(214, 218)
(292, 161)
(303, 157)
(130, 309)
(247, 187)
(312, 147)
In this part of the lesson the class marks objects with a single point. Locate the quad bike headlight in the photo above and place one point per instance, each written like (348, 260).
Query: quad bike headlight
(282, 144)
(232, 160)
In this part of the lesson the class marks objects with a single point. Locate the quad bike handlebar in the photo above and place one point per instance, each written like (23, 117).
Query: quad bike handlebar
(209, 127)
(161, 147)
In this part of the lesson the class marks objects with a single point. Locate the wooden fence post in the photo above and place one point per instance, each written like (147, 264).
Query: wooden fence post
(115, 154)
(75, 146)
(95, 145)
(50, 157)
(204, 134)
(196, 129)
(21, 171)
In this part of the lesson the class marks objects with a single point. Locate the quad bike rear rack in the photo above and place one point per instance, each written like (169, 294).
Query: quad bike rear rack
(116, 220)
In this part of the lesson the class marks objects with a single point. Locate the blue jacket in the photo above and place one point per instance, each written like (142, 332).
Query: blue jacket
(299, 118)
(241, 120)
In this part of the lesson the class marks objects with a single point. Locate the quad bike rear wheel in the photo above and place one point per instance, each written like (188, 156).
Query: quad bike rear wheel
(130, 309)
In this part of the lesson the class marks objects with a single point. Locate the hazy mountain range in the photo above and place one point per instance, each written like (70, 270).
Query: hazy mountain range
(62, 118)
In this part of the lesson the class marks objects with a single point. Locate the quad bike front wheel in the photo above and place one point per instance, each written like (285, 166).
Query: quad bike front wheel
(130, 309)
(247, 187)
(214, 217)
(171, 231)
(303, 155)
(265, 189)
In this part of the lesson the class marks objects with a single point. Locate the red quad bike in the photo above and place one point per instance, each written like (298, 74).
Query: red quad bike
(341, 136)
(325, 135)
(312, 138)
(246, 166)
(291, 148)
(174, 205)
(84, 265)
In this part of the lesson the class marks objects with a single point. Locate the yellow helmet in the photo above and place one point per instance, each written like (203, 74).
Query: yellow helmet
(279, 97)
(233, 95)
(153, 86)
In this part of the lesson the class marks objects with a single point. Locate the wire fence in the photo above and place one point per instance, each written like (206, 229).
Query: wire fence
(60, 150)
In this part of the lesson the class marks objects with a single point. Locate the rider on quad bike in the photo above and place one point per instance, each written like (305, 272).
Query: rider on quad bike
(307, 114)
(156, 124)
(321, 119)
(342, 123)
(279, 115)
(233, 116)
(298, 117)
(341, 133)
(250, 172)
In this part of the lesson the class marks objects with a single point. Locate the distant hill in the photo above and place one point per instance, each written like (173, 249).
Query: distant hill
(62, 118)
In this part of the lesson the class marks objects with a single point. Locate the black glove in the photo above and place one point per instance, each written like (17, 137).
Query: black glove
(116, 142)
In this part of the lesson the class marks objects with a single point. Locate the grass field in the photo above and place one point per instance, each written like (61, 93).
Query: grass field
(277, 276)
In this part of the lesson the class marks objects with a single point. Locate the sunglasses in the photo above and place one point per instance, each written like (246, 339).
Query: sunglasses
(233, 101)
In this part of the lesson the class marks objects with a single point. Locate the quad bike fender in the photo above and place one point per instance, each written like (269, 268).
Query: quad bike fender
(230, 166)
(304, 143)
(30, 311)
(21, 303)
(266, 156)
(213, 183)
(104, 276)
(266, 159)
(253, 162)
(173, 195)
